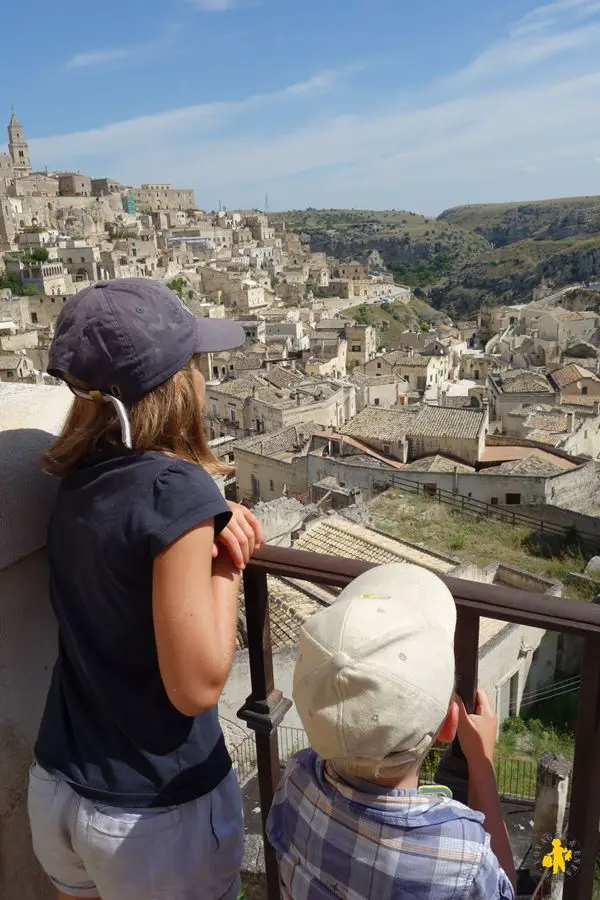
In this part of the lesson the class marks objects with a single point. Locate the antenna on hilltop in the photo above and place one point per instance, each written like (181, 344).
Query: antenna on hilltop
(266, 202)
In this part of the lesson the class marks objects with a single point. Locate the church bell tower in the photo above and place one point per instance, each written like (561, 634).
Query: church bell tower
(18, 148)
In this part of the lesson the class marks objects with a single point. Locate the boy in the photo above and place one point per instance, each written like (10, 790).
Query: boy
(374, 688)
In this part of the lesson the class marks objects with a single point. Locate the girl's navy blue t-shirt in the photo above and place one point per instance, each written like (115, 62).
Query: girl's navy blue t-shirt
(109, 728)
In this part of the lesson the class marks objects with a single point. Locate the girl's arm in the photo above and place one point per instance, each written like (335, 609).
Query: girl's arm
(194, 605)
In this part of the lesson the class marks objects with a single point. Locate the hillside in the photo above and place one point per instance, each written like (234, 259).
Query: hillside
(510, 273)
(392, 320)
(508, 223)
(419, 251)
(469, 255)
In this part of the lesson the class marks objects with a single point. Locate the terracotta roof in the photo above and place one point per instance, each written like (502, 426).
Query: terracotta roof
(568, 374)
(579, 400)
(522, 381)
(437, 463)
(405, 360)
(372, 380)
(286, 440)
(443, 421)
(10, 362)
(557, 423)
(378, 423)
(532, 465)
(289, 607)
(508, 452)
(544, 437)
(335, 536)
(280, 377)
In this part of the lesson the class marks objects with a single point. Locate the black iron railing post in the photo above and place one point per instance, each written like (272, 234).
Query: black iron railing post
(452, 770)
(584, 811)
(264, 708)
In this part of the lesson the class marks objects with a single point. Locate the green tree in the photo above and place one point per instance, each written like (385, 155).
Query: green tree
(16, 286)
(39, 254)
(178, 285)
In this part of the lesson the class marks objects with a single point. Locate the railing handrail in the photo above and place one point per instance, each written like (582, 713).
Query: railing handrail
(491, 601)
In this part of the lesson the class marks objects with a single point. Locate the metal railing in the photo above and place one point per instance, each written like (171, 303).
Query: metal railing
(266, 706)
(516, 777)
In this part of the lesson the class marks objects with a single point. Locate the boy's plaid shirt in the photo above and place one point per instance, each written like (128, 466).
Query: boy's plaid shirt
(339, 839)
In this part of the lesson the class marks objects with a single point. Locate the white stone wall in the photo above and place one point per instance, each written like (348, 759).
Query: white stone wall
(29, 417)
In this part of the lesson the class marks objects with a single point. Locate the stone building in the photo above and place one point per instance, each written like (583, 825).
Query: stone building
(163, 197)
(362, 345)
(515, 387)
(575, 380)
(15, 367)
(386, 391)
(420, 371)
(253, 405)
(408, 432)
(73, 184)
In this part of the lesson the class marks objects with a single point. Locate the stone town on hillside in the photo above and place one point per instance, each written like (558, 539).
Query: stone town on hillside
(320, 412)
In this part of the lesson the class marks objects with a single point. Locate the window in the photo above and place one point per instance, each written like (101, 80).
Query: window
(584, 390)
(9, 373)
(376, 401)
(378, 365)
(386, 448)
(494, 501)
(83, 259)
(70, 260)
(272, 485)
(34, 318)
(513, 499)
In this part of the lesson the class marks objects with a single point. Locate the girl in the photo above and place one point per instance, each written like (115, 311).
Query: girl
(132, 795)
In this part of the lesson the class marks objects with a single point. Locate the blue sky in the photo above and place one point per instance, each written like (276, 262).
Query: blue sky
(411, 104)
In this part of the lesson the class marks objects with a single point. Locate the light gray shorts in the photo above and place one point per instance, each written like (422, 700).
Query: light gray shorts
(188, 852)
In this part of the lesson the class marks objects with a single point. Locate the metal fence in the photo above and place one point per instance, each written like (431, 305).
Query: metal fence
(486, 510)
(516, 777)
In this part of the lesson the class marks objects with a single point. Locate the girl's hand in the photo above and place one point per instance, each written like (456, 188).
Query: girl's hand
(241, 537)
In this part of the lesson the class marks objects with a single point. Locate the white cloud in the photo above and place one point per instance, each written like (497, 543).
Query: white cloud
(122, 55)
(100, 57)
(175, 124)
(550, 14)
(213, 5)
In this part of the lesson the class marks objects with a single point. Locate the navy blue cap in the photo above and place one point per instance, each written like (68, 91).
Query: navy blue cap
(127, 336)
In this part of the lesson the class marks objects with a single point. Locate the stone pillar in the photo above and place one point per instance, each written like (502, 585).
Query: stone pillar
(550, 804)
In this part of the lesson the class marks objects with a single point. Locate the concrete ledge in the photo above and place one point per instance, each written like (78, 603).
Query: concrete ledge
(30, 417)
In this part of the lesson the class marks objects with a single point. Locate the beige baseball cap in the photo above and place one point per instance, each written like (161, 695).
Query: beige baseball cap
(375, 671)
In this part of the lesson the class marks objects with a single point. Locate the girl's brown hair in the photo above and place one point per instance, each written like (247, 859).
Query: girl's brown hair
(168, 419)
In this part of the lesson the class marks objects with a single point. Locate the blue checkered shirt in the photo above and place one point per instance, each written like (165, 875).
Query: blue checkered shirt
(352, 840)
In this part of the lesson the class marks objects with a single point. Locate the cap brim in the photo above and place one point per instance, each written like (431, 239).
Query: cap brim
(215, 335)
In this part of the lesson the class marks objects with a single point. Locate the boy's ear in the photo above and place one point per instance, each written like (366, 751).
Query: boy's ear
(449, 727)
